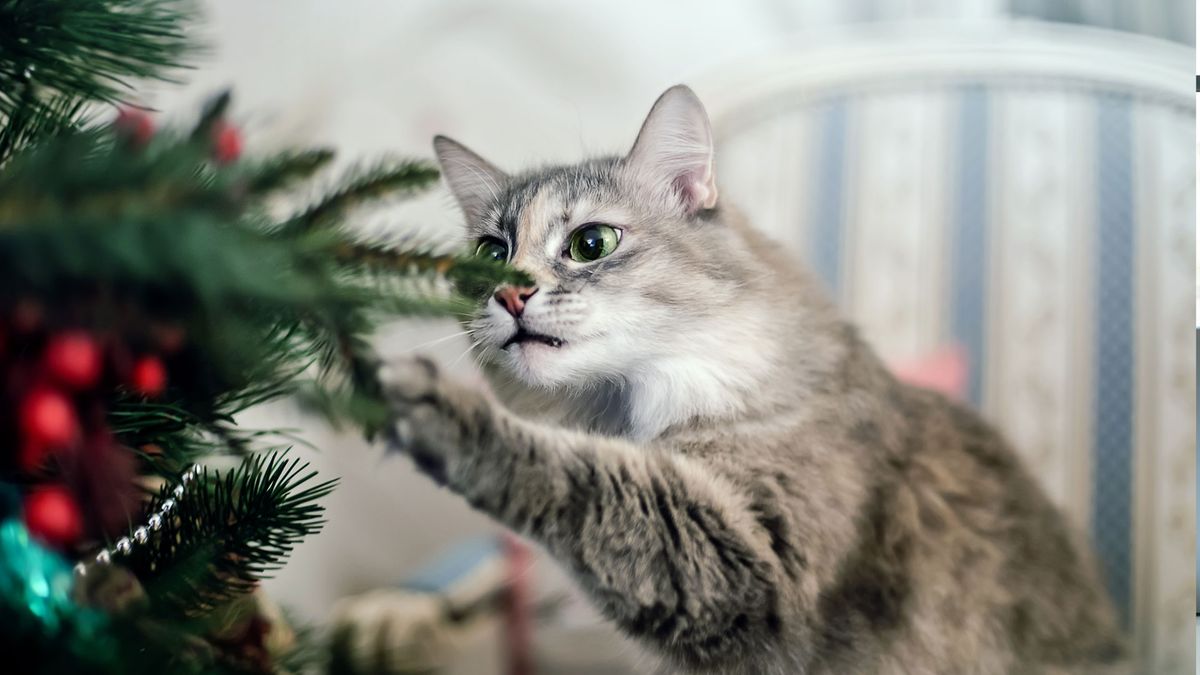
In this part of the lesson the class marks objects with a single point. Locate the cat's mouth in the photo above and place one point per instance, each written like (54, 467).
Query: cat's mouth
(523, 336)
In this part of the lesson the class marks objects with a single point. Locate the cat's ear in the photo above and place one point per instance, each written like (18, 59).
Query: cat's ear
(675, 149)
(474, 182)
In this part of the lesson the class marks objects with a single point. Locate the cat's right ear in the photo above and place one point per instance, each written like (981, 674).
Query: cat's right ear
(473, 181)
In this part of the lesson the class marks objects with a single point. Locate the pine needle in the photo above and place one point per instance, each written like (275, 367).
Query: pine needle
(363, 186)
(229, 530)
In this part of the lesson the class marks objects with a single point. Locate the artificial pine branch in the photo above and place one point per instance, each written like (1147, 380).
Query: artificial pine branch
(466, 271)
(132, 237)
(126, 238)
(389, 179)
(57, 55)
(228, 531)
(213, 113)
(344, 406)
(32, 119)
(282, 171)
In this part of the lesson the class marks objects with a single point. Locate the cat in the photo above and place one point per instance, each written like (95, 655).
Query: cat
(681, 418)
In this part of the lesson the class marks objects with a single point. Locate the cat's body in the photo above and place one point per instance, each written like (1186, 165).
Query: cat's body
(725, 467)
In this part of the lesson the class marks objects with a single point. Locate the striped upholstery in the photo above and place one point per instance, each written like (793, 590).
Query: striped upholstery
(1044, 223)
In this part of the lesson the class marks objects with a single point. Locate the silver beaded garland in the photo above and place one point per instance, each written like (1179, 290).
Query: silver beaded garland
(141, 535)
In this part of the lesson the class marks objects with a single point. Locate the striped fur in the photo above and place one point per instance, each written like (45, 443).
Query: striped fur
(724, 465)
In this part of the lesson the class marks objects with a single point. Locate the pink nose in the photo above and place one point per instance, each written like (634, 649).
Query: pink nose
(513, 298)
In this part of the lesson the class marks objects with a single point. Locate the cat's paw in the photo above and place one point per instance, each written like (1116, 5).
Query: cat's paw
(434, 419)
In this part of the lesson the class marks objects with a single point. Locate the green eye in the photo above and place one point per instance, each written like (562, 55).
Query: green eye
(593, 242)
(492, 249)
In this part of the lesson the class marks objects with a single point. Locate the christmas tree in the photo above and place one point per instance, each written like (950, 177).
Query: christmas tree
(154, 283)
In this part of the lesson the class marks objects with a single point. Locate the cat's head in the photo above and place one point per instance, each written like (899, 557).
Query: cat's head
(630, 260)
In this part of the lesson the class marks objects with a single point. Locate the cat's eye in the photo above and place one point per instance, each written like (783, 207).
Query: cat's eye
(492, 248)
(593, 242)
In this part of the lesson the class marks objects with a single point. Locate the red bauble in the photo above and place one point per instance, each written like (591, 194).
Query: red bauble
(74, 359)
(227, 143)
(135, 125)
(47, 420)
(149, 376)
(52, 516)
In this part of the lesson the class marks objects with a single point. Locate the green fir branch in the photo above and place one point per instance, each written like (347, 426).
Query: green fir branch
(58, 55)
(344, 406)
(165, 230)
(465, 271)
(32, 119)
(213, 112)
(281, 172)
(228, 531)
(122, 237)
(361, 186)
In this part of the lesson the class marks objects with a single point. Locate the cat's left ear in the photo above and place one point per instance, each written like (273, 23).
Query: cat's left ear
(674, 149)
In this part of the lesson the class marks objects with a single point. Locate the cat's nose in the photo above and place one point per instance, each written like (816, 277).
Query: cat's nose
(513, 298)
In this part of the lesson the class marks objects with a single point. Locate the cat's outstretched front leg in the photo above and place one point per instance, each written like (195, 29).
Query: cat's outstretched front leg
(667, 549)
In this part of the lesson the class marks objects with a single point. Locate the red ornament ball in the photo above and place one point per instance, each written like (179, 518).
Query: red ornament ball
(135, 125)
(74, 359)
(47, 420)
(149, 376)
(227, 143)
(53, 516)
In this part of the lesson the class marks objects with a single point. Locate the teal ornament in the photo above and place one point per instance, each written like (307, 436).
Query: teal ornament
(34, 576)
(37, 583)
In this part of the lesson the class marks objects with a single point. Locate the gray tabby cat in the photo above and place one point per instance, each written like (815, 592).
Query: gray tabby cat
(681, 418)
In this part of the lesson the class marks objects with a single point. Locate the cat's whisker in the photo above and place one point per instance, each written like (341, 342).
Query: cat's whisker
(411, 327)
(466, 351)
(434, 342)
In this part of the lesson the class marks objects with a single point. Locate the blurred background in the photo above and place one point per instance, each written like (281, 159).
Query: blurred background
(999, 191)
